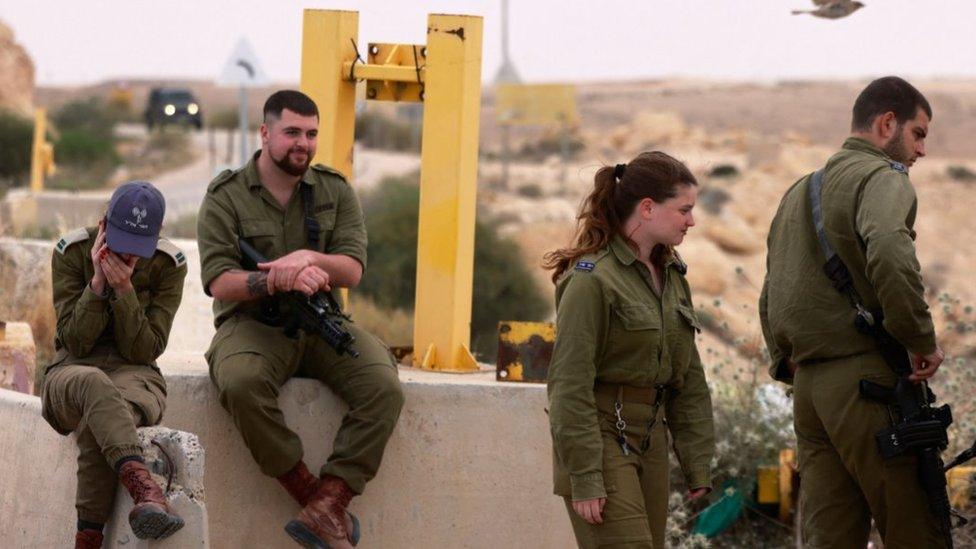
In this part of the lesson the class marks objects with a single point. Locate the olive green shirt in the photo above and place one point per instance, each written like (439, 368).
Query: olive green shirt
(237, 205)
(612, 328)
(869, 208)
(131, 328)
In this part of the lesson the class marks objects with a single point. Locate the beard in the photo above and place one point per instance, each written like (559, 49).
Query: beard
(896, 148)
(286, 165)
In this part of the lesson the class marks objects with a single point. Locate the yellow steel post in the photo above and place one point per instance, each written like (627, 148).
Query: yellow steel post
(328, 41)
(42, 154)
(448, 180)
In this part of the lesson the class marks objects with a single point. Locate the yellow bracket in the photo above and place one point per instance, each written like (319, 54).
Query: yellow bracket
(394, 72)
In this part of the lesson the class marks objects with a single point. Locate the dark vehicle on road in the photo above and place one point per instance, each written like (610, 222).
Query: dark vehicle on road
(172, 106)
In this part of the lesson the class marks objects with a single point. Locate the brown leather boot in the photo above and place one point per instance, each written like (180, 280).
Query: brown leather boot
(300, 483)
(324, 523)
(150, 517)
(88, 539)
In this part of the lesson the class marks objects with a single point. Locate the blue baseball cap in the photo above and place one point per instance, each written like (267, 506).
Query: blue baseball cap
(134, 218)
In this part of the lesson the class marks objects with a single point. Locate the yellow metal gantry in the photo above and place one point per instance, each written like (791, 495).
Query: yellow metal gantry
(445, 75)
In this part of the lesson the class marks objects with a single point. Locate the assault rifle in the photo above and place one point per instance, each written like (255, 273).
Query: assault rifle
(921, 428)
(318, 314)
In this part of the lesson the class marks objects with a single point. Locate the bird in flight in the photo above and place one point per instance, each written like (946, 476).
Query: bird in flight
(832, 9)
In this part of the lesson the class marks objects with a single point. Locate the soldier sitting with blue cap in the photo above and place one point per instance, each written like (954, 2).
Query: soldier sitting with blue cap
(117, 287)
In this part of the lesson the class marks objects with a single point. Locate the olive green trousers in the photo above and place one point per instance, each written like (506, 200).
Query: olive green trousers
(102, 405)
(844, 481)
(250, 361)
(636, 512)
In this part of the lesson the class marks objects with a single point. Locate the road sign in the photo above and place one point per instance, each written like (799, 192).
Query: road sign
(242, 68)
(536, 104)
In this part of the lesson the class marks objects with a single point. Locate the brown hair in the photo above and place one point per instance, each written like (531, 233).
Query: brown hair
(616, 191)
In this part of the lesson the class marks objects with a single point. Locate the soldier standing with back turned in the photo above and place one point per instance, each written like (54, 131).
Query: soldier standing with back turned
(868, 211)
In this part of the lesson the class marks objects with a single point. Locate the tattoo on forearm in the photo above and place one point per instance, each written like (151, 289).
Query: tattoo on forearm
(257, 284)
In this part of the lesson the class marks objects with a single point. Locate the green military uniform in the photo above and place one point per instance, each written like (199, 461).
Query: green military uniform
(617, 341)
(103, 381)
(869, 209)
(250, 360)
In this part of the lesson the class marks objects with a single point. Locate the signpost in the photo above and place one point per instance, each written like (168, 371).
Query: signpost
(243, 71)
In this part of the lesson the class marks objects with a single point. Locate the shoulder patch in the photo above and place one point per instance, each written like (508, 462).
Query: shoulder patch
(898, 166)
(75, 236)
(325, 169)
(222, 177)
(171, 250)
(584, 266)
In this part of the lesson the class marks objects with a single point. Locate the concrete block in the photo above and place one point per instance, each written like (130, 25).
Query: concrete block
(177, 462)
(37, 476)
(17, 357)
(469, 465)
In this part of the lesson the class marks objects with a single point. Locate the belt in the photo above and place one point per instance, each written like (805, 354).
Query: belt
(814, 361)
(638, 395)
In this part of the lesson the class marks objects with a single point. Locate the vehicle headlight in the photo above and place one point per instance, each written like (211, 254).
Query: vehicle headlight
(192, 108)
(170, 110)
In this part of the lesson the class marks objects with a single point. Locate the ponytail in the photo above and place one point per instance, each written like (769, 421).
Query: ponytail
(596, 224)
(616, 191)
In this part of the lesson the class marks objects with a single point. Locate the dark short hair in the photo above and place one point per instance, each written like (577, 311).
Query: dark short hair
(888, 94)
(293, 100)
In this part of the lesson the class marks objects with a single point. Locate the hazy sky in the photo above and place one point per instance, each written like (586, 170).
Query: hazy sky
(78, 42)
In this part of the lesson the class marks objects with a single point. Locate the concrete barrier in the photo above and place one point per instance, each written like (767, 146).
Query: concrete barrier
(17, 357)
(468, 466)
(177, 462)
(51, 212)
(37, 473)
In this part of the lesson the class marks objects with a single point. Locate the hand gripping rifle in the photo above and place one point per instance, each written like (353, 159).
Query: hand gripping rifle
(318, 314)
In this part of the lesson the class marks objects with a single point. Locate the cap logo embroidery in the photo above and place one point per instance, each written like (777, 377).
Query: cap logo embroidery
(139, 215)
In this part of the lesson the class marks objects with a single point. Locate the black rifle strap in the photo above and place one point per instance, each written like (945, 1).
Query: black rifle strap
(312, 227)
(834, 268)
(816, 203)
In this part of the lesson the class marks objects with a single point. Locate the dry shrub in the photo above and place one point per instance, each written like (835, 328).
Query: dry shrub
(393, 326)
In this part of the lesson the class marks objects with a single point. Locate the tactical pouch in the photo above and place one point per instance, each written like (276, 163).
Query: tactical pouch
(896, 440)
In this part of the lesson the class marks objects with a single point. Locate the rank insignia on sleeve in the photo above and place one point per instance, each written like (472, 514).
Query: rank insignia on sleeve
(898, 166)
(585, 266)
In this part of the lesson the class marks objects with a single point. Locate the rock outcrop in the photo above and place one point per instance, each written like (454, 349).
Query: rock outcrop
(17, 68)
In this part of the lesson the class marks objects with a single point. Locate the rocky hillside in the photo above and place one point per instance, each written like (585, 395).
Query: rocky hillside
(17, 68)
(747, 143)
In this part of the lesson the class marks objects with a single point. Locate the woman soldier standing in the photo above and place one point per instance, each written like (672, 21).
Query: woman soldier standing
(625, 362)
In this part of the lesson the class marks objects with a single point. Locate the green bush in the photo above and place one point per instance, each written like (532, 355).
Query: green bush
(503, 287)
(563, 142)
(78, 147)
(229, 119)
(961, 173)
(89, 116)
(377, 131)
(86, 135)
(530, 190)
(16, 134)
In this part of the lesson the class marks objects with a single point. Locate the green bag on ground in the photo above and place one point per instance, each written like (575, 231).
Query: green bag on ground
(720, 515)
